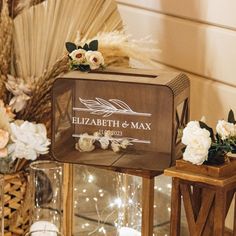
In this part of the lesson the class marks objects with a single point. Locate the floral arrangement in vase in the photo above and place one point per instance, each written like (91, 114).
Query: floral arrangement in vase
(205, 147)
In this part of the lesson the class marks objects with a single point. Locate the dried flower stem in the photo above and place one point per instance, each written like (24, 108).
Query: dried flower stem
(39, 105)
(5, 45)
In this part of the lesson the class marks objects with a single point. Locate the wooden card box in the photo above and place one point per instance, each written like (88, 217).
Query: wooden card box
(146, 107)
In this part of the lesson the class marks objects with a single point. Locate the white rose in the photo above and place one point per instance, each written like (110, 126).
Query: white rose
(115, 146)
(198, 142)
(200, 139)
(195, 155)
(125, 143)
(234, 130)
(78, 55)
(225, 129)
(97, 134)
(85, 143)
(31, 137)
(188, 132)
(104, 142)
(94, 59)
(22, 150)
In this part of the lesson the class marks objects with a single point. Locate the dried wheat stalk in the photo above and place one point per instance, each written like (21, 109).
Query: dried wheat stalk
(5, 45)
(24, 4)
(39, 42)
(38, 108)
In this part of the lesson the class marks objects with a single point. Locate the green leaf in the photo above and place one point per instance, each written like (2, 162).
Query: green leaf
(218, 138)
(86, 47)
(84, 68)
(183, 149)
(231, 118)
(70, 47)
(93, 45)
(215, 157)
(233, 147)
(205, 126)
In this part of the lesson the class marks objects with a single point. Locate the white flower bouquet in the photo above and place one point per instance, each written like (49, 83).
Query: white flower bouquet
(19, 141)
(205, 147)
(85, 58)
(88, 143)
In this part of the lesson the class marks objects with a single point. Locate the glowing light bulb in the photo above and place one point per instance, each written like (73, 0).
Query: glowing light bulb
(90, 178)
(102, 230)
(169, 186)
(118, 202)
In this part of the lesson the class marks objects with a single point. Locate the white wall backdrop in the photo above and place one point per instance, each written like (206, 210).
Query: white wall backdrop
(195, 36)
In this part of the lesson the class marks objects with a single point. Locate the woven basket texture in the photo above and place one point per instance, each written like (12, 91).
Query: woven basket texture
(16, 204)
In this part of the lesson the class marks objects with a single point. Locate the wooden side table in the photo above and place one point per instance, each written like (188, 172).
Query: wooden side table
(206, 201)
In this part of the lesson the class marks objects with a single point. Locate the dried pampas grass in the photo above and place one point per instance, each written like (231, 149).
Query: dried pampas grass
(117, 47)
(5, 44)
(41, 31)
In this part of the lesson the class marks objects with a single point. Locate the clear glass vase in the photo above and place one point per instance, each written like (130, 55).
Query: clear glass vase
(46, 184)
(1, 205)
(43, 232)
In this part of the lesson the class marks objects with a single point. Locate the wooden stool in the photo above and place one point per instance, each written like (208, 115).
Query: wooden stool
(206, 202)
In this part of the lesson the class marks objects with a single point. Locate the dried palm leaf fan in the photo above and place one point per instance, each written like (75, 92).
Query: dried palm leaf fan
(40, 33)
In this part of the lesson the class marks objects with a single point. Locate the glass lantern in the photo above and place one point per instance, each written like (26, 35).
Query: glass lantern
(46, 212)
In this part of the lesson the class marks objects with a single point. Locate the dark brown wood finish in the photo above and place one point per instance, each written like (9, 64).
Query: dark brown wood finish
(147, 206)
(155, 100)
(206, 201)
(175, 208)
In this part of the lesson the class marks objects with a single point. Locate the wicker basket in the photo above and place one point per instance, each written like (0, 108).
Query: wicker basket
(16, 204)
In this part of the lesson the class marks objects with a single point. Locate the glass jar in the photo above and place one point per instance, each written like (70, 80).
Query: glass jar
(46, 184)
(1, 205)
